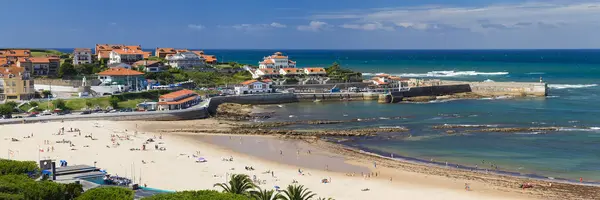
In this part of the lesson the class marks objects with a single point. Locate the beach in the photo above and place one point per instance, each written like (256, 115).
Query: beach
(176, 168)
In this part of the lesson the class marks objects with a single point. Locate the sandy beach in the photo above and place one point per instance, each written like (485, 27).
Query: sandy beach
(118, 148)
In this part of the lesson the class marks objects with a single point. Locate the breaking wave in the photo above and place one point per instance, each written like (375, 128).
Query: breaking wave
(444, 74)
(569, 86)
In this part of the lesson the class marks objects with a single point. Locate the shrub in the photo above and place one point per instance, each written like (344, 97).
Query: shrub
(114, 102)
(59, 103)
(112, 193)
(8, 167)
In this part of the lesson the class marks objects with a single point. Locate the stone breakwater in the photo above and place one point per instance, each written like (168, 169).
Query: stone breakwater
(295, 133)
(516, 129)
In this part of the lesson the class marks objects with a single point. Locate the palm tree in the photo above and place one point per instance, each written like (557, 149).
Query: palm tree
(238, 184)
(298, 192)
(265, 195)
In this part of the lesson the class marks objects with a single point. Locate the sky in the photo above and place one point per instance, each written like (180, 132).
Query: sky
(303, 24)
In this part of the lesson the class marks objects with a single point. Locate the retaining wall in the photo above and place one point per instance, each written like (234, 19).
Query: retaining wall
(273, 98)
(506, 88)
(197, 112)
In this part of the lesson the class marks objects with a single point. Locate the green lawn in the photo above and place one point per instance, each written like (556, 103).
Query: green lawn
(43, 53)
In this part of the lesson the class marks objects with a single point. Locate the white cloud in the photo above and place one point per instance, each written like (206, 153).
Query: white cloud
(506, 16)
(278, 25)
(368, 26)
(196, 26)
(113, 23)
(256, 27)
(313, 26)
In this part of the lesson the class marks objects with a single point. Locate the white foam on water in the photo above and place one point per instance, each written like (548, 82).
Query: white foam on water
(591, 129)
(570, 86)
(444, 74)
(536, 73)
(595, 128)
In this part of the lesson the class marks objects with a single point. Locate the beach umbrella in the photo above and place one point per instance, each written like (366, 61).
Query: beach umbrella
(277, 187)
(201, 159)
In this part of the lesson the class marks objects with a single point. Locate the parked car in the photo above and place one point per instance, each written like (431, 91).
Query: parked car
(86, 112)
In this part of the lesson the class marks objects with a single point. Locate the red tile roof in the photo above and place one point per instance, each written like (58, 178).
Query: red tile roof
(5, 71)
(177, 102)
(176, 94)
(39, 60)
(291, 70)
(209, 58)
(128, 51)
(248, 82)
(119, 71)
(165, 50)
(315, 70)
(268, 71)
(83, 50)
(104, 54)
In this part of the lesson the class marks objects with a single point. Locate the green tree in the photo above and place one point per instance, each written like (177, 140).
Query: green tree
(265, 195)
(112, 193)
(73, 190)
(238, 184)
(297, 192)
(13, 167)
(46, 93)
(59, 103)
(6, 110)
(12, 104)
(88, 103)
(66, 69)
(114, 102)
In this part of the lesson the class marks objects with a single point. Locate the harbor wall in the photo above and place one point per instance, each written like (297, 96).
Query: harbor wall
(506, 88)
(272, 98)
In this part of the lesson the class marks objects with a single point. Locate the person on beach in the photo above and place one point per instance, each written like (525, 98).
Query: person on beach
(281, 152)
(467, 187)
(375, 164)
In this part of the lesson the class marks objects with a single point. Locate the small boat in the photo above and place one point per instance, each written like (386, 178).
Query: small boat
(281, 106)
(317, 100)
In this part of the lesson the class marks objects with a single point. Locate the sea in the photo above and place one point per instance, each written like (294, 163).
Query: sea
(573, 103)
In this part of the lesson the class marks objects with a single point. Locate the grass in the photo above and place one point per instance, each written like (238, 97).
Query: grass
(43, 53)
(132, 103)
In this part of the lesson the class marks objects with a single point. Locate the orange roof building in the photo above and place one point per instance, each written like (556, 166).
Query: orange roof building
(181, 99)
(276, 61)
(290, 71)
(123, 76)
(208, 59)
(315, 71)
(16, 83)
(253, 87)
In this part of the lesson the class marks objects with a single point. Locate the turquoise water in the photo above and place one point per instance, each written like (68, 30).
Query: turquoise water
(572, 103)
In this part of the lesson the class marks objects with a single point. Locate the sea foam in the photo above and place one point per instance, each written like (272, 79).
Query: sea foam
(444, 74)
(570, 86)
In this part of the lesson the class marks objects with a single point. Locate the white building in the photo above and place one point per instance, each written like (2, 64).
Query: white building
(253, 87)
(291, 71)
(125, 55)
(82, 56)
(276, 61)
(265, 72)
(185, 60)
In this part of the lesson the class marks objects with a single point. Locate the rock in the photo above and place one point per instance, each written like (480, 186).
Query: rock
(450, 132)
(420, 99)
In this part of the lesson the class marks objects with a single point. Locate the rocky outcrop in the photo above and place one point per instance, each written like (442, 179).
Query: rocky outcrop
(455, 126)
(303, 133)
(516, 129)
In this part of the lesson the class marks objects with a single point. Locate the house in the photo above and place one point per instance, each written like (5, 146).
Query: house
(12, 55)
(40, 66)
(121, 65)
(82, 56)
(150, 65)
(15, 84)
(208, 59)
(276, 61)
(164, 52)
(123, 76)
(185, 60)
(265, 72)
(126, 55)
(253, 87)
(291, 71)
(385, 80)
(181, 99)
(103, 50)
(315, 71)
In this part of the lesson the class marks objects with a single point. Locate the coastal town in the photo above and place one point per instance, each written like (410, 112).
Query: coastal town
(121, 99)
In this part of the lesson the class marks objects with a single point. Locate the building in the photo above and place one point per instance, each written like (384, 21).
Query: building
(125, 55)
(208, 59)
(164, 52)
(185, 60)
(276, 61)
(103, 50)
(291, 71)
(121, 65)
(181, 99)
(150, 65)
(386, 80)
(15, 84)
(123, 76)
(253, 87)
(13, 55)
(40, 66)
(315, 71)
(265, 72)
(82, 56)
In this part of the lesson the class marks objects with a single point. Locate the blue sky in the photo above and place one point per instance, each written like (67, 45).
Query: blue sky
(307, 24)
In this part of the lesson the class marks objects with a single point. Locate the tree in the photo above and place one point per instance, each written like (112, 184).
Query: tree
(66, 69)
(297, 192)
(46, 93)
(238, 184)
(113, 193)
(88, 103)
(12, 104)
(6, 111)
(73, 190)
(13, 167)
(59, 103)
(265, 195)
(114, 102)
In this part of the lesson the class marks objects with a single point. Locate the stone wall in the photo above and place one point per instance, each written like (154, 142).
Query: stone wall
(197, 112)
(433, 90)
(60, 82)
(321, 87)
(273, 98)
(506, 88)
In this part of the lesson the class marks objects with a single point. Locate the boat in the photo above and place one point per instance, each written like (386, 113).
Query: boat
(281, 106)
(317, 100)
